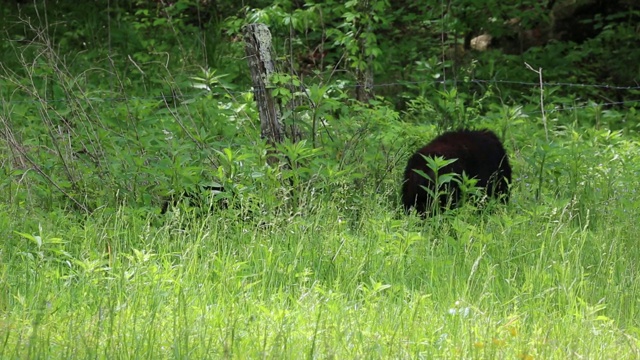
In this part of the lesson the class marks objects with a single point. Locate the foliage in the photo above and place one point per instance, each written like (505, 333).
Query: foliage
(526, 281)
(302, 249)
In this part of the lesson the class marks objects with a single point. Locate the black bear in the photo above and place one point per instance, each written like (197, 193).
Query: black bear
(477, 153)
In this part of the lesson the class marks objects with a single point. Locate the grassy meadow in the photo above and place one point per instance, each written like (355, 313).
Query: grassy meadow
(307, 253)
(538, 279)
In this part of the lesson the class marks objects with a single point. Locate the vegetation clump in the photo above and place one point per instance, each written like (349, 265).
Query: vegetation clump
(301, 248)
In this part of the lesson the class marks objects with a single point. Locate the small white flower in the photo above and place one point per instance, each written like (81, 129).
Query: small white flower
(168, 135)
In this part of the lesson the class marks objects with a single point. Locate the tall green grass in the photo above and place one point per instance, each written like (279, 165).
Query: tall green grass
(341, 273)
(552, 279)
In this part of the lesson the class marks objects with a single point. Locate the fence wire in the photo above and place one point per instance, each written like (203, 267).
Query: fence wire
(551, 107)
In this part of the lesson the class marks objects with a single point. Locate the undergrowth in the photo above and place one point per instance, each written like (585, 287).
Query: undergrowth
(304, 251)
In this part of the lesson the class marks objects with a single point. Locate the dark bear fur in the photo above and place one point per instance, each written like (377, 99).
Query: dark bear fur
(479, 155)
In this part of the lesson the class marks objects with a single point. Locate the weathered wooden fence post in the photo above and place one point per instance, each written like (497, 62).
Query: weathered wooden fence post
(364, 76)
(260, 57)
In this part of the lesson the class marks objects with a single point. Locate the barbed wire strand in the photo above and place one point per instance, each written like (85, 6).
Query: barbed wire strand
(556, 107)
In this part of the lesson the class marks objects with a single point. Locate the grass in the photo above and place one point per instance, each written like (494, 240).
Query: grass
(553, 275)
(526, 281)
